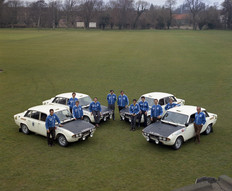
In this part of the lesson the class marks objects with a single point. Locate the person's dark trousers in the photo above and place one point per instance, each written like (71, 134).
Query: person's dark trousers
(112, 107)
(133, 122)
(70, 109)
(52, 133)
(145, 118)
(197, 131)
(155, 119)
(96, 115)
(119, 109)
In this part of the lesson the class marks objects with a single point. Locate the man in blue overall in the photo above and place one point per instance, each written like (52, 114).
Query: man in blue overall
(50, 126)
(156, 111)
(77, 111)
(72, 101)
(198, 123)
(134, 110)
(111, 98)
(144, 107)
(95, 109)
(123, 101)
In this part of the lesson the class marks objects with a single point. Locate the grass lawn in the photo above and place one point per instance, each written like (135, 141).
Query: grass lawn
(193, 65)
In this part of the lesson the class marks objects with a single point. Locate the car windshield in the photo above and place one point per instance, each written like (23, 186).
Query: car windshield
(84, 101)
(64, 115)
(176, 118)
(149, 100)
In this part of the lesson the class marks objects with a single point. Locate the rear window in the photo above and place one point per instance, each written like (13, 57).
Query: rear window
(60, 100)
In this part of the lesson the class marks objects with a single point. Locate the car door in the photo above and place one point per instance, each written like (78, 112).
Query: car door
(207, 121)
(189, 130)
(33, 121)
(41, 129)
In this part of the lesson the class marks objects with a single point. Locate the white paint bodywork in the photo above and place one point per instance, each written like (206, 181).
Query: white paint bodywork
(186, 132)
(86, 113)
(38, 126)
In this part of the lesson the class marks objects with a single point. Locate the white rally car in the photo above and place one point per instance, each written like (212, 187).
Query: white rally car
(33, 120)
(177, 126)
(163, 99)
(84, 101)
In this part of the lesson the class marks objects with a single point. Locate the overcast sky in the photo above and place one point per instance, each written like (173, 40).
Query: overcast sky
(161, 2)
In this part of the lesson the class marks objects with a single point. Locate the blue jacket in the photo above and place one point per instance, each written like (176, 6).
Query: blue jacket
(156, 110)
(111, 98)
(95, 106)
(51, 120)
(200, 118)
(72, 102)
(169, 106)
(134, 108)
(77, 112)
(144, 105)
(123, 100)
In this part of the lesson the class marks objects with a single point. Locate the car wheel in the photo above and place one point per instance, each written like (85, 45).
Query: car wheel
(62, 141)
(87, 119)
(25, 129)
(208, 129)
(178, 143)
(148, 121)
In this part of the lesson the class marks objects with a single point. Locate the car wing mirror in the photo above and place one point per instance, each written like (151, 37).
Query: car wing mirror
(186, 124)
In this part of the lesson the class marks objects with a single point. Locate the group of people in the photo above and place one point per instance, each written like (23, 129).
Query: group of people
(137, 110)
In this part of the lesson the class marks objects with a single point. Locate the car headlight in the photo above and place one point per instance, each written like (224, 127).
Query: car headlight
(80, 134)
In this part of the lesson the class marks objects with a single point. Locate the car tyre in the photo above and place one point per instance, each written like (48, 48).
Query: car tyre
(208, 129)
(86, 119)
(178, 143)
(62, 141)
(25, 129)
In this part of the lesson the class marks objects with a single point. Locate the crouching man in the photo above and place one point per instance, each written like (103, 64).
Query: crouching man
(50, 126)
(134, 110)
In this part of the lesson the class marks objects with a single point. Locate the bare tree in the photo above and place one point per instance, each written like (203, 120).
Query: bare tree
(54, 9)
(227, 13)
(169, 4)
(195, 7)
(37, 11)
(88, 8)
(140, 7)
(69, 8)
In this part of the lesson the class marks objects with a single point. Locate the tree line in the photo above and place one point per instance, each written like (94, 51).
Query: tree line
(115, 14)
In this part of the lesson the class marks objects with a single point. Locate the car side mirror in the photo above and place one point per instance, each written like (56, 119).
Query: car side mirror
(186, 124)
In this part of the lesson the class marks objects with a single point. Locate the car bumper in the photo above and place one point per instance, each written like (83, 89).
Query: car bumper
(81, 136)
(157, 139)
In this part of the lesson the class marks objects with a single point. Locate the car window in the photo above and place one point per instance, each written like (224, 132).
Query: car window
(206, 113)
(161, 101)
(173, 98)
(35, 115)
(149, 100)
(166, 100)
(174, 117)
(192, 118)
(84, 101)
(60, 100)
(28, 114)
(43, 116)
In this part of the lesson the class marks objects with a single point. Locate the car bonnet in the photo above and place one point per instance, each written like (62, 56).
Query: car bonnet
(77, 126)
(161, 129)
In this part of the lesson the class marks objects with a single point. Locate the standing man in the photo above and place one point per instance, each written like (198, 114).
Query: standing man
(144, 107)
(171, 104)
(50, 126)
(77, 111)
(123, 101)
(134, 110)
(198, 123)
(111, 98)
(72, 101)
(156, 111)
(95, 109)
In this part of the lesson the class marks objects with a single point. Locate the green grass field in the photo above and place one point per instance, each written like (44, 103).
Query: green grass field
(193, 65)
